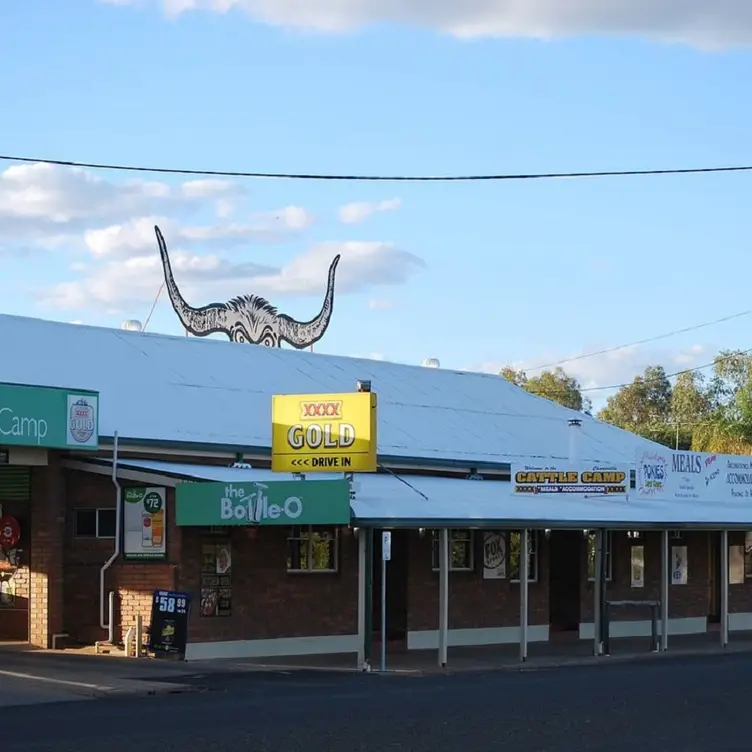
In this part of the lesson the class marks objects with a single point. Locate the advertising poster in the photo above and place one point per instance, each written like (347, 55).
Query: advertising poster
(494, 556)
(679, 565)
(144, 524)
(736, 565)
(637, 566)
(216, 579)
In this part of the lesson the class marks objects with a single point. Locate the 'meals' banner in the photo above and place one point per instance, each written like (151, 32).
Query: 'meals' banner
(568, 480)
(694, 476)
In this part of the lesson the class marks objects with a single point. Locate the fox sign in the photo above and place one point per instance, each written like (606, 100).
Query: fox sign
(324, 433)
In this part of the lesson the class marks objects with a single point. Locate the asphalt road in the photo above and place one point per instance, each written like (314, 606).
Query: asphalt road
(687, 705)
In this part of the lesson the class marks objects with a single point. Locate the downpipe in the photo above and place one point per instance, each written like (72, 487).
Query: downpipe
(107, 621)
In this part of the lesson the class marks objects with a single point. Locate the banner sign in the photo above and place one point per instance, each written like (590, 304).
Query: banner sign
(281, 502)
(324, 433)
(694, 476)
(568, 480)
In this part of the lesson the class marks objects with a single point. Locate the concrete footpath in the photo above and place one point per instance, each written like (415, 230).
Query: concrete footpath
(29, 676)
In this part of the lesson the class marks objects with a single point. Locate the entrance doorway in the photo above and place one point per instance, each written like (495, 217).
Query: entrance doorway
(714, 578)
(396, 590)
(565, 575)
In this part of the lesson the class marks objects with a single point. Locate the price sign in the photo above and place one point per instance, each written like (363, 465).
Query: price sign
(169, 622)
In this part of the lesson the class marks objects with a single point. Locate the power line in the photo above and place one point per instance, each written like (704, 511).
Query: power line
(377, 178)
(636, 343)
(720, 359)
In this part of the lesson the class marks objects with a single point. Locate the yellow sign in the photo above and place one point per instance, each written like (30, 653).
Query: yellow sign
(324, 433)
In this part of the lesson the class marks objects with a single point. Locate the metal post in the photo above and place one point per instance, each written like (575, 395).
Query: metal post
(524, 556)
(362, 577)
(383, 606)
(724, 589)
(603, 576)
(665, 579)
(597, 596)
(111, 618)
(367, 534)
(139, 637)
(443, 596)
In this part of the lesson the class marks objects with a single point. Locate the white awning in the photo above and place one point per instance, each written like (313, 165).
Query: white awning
(390, 500)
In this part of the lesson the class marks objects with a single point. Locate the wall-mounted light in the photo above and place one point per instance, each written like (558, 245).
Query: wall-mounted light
(547, 532)
(355, 531)
(362, 385)
(422, 532)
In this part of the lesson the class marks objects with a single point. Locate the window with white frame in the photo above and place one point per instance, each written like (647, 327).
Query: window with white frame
(607, 548)
(312, 549)
(461, 558)
(94, 523)
(514, 547)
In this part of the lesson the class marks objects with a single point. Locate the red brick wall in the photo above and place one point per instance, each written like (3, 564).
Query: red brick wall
(267, 601)
(473, 601)
(84, 557)
(46, 554)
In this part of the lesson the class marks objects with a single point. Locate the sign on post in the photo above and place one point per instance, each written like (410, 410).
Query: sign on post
(320, 433)
(386, 546)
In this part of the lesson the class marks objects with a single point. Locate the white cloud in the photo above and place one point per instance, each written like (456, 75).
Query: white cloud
(48, 203)
(136, 237)
(381, 304)
(116, 285)
(614, 368)
(358, 211)
(698, 22)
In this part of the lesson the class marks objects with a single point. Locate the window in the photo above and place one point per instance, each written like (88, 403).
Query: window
(591, 556)
(514, 544)
(95, 523)
(748, 554)
(312, 549)
(460, 550)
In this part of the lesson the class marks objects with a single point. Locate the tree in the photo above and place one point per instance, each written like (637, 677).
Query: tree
(643, 407)
(555, 385)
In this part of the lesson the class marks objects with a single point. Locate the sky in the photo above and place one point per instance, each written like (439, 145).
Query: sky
(477, 274)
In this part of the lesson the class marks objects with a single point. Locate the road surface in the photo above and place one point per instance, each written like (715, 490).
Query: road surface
(687, 705)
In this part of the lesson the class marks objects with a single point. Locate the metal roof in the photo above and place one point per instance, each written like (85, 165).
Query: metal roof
(412, 501)
(157, 388)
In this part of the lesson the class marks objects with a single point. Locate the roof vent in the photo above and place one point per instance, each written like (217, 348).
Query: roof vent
(431, 363)
(132, 325)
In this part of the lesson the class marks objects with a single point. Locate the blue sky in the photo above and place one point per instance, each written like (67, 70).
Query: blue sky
(476, 274)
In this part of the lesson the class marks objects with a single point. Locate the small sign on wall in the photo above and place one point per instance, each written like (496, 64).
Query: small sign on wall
(494, 556)
(679, 565)
(637, 566)
(736, 565)
(144, 524)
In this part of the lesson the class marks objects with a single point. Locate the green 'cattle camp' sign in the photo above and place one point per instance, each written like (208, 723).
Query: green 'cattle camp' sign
(35, 416)
(294, 502)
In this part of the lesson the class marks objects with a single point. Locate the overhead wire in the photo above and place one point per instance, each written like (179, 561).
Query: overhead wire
(672, 375)
(376, 178)
(638, 342)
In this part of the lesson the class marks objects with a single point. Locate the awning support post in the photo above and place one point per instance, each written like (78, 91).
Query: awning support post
(443, 596)
(524, 590)
(362, 587)
(367, 533)
(724, 589)
(598, 636)
(665, 581)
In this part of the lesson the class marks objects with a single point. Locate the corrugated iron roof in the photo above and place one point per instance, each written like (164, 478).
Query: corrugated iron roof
(183, 389)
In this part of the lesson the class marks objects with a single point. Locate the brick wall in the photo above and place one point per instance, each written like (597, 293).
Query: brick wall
(267, 601)
(474, 602)
(134, 582)
(46, 553)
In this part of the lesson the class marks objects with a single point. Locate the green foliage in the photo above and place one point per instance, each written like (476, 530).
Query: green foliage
(706, 413)
(554, 385)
